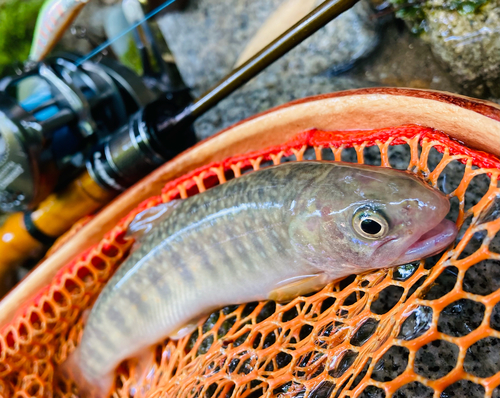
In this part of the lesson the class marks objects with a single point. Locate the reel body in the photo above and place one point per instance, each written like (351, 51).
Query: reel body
(51, 117)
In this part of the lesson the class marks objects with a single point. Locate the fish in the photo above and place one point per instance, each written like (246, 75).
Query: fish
(272, 234)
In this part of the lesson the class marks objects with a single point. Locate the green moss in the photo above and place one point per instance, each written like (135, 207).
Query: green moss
(414, 16)
(415, 12)
(17, 24)
(467, 7)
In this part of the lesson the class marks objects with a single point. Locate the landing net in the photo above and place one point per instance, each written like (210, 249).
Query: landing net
(426, 329)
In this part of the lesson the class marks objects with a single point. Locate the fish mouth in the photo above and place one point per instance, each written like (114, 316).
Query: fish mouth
(432, 242)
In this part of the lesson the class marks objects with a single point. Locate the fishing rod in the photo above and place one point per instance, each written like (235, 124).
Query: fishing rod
(156, 133)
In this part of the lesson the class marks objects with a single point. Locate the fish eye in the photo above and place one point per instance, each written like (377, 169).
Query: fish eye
(370, 224)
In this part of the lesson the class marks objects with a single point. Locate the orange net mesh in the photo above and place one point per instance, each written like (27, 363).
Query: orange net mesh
(426, 329)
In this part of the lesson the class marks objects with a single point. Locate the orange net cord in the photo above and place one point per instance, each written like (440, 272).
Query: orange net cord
(375, 334)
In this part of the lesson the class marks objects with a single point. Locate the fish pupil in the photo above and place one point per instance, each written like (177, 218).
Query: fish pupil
(371, 227)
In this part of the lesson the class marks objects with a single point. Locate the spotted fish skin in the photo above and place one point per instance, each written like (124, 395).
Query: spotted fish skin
(237, 242)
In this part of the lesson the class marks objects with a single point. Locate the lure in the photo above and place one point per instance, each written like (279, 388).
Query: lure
(53, 20)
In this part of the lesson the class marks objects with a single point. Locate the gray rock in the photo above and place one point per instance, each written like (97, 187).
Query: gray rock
(401, 60)
(207, 38)
(266, 91)
(404, 60)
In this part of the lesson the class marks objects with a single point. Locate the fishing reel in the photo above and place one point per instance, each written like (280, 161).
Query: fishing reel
(53, 115)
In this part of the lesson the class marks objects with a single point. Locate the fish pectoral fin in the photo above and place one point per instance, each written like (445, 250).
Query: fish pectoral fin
(149, 218)
(290, 288)
(141, 372)
(185, 330)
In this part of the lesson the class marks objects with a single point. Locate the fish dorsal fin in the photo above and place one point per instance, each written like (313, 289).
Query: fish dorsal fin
(148, 219)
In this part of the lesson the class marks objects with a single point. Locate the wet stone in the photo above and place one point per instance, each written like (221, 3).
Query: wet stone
(372, 156)
(469, 44)
(495, 317)
(206, 44)
(463, 388)
(436, 359)
(399, 156)
(372, 392)
(492, 212)
(494, 245)
(474, 244)
(344, 364)
(414, 390)
(205, 345)
(266, 311)
(404, 60)
(283, 359)
(344, 283)
(323, 390)
(443, 284)
(451, 177)
(453, 214)
(349, 155)
(392, 364)
(404, 272)
(461, 317)
(353, 298)
(477, 188)
(482, 278)
(364, 332)
(387, 299)
(210, 322)
(226, 325)
(482, 358)
(416, 324)
(415, 286)
(361, 374)
(434, 158)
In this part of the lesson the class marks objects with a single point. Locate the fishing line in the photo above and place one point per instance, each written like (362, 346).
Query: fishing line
(107, 43)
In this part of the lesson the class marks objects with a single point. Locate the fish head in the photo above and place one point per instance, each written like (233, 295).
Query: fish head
(365, 217)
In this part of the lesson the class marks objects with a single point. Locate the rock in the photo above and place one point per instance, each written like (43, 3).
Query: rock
(464, 36)
(206, 42)
(265, 92)
(469, 44)
(404, 60)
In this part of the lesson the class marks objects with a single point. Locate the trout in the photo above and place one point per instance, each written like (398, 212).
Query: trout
(272, 234)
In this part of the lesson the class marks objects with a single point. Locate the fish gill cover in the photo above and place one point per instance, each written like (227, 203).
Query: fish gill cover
(430, 328)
